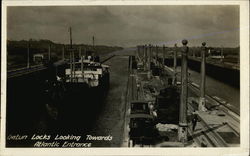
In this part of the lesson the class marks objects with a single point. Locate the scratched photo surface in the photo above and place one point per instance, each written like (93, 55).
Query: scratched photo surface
(123, 76)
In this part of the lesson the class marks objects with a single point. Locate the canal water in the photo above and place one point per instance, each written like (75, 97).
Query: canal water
(110, 121)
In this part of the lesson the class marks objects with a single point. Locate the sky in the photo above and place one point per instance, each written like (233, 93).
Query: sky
(127, 26)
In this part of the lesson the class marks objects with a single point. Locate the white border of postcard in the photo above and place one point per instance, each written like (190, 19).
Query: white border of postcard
(244, 86)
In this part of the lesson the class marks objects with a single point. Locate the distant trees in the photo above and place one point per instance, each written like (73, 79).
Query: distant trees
(17, 50)
(42, 45)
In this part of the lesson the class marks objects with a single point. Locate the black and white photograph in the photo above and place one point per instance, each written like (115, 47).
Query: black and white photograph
(124, 76)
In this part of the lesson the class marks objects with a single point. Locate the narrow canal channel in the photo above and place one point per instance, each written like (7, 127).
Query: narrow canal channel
(110, 121)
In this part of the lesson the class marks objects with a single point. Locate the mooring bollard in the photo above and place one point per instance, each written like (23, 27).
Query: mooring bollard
(202, 100)
(182, 131)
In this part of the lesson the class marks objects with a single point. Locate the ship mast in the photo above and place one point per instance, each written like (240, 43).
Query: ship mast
(71, 55)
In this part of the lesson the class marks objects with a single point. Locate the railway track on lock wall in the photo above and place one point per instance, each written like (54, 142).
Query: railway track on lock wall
(208, 136)
(230, 110)
(233, 112)
(23, 71)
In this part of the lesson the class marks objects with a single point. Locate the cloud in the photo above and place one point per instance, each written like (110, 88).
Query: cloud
(126, 25)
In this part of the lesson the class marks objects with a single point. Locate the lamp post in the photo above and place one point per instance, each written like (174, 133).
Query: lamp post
(182, 131)
(49, 52)
(63, 51)
(203, 78)
(28, 55)
(149, 56)
(163, 56)
(175, 64)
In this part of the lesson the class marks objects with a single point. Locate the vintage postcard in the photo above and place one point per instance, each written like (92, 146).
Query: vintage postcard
(125, 78)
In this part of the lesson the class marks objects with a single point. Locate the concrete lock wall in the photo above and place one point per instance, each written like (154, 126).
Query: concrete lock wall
(226, 75)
